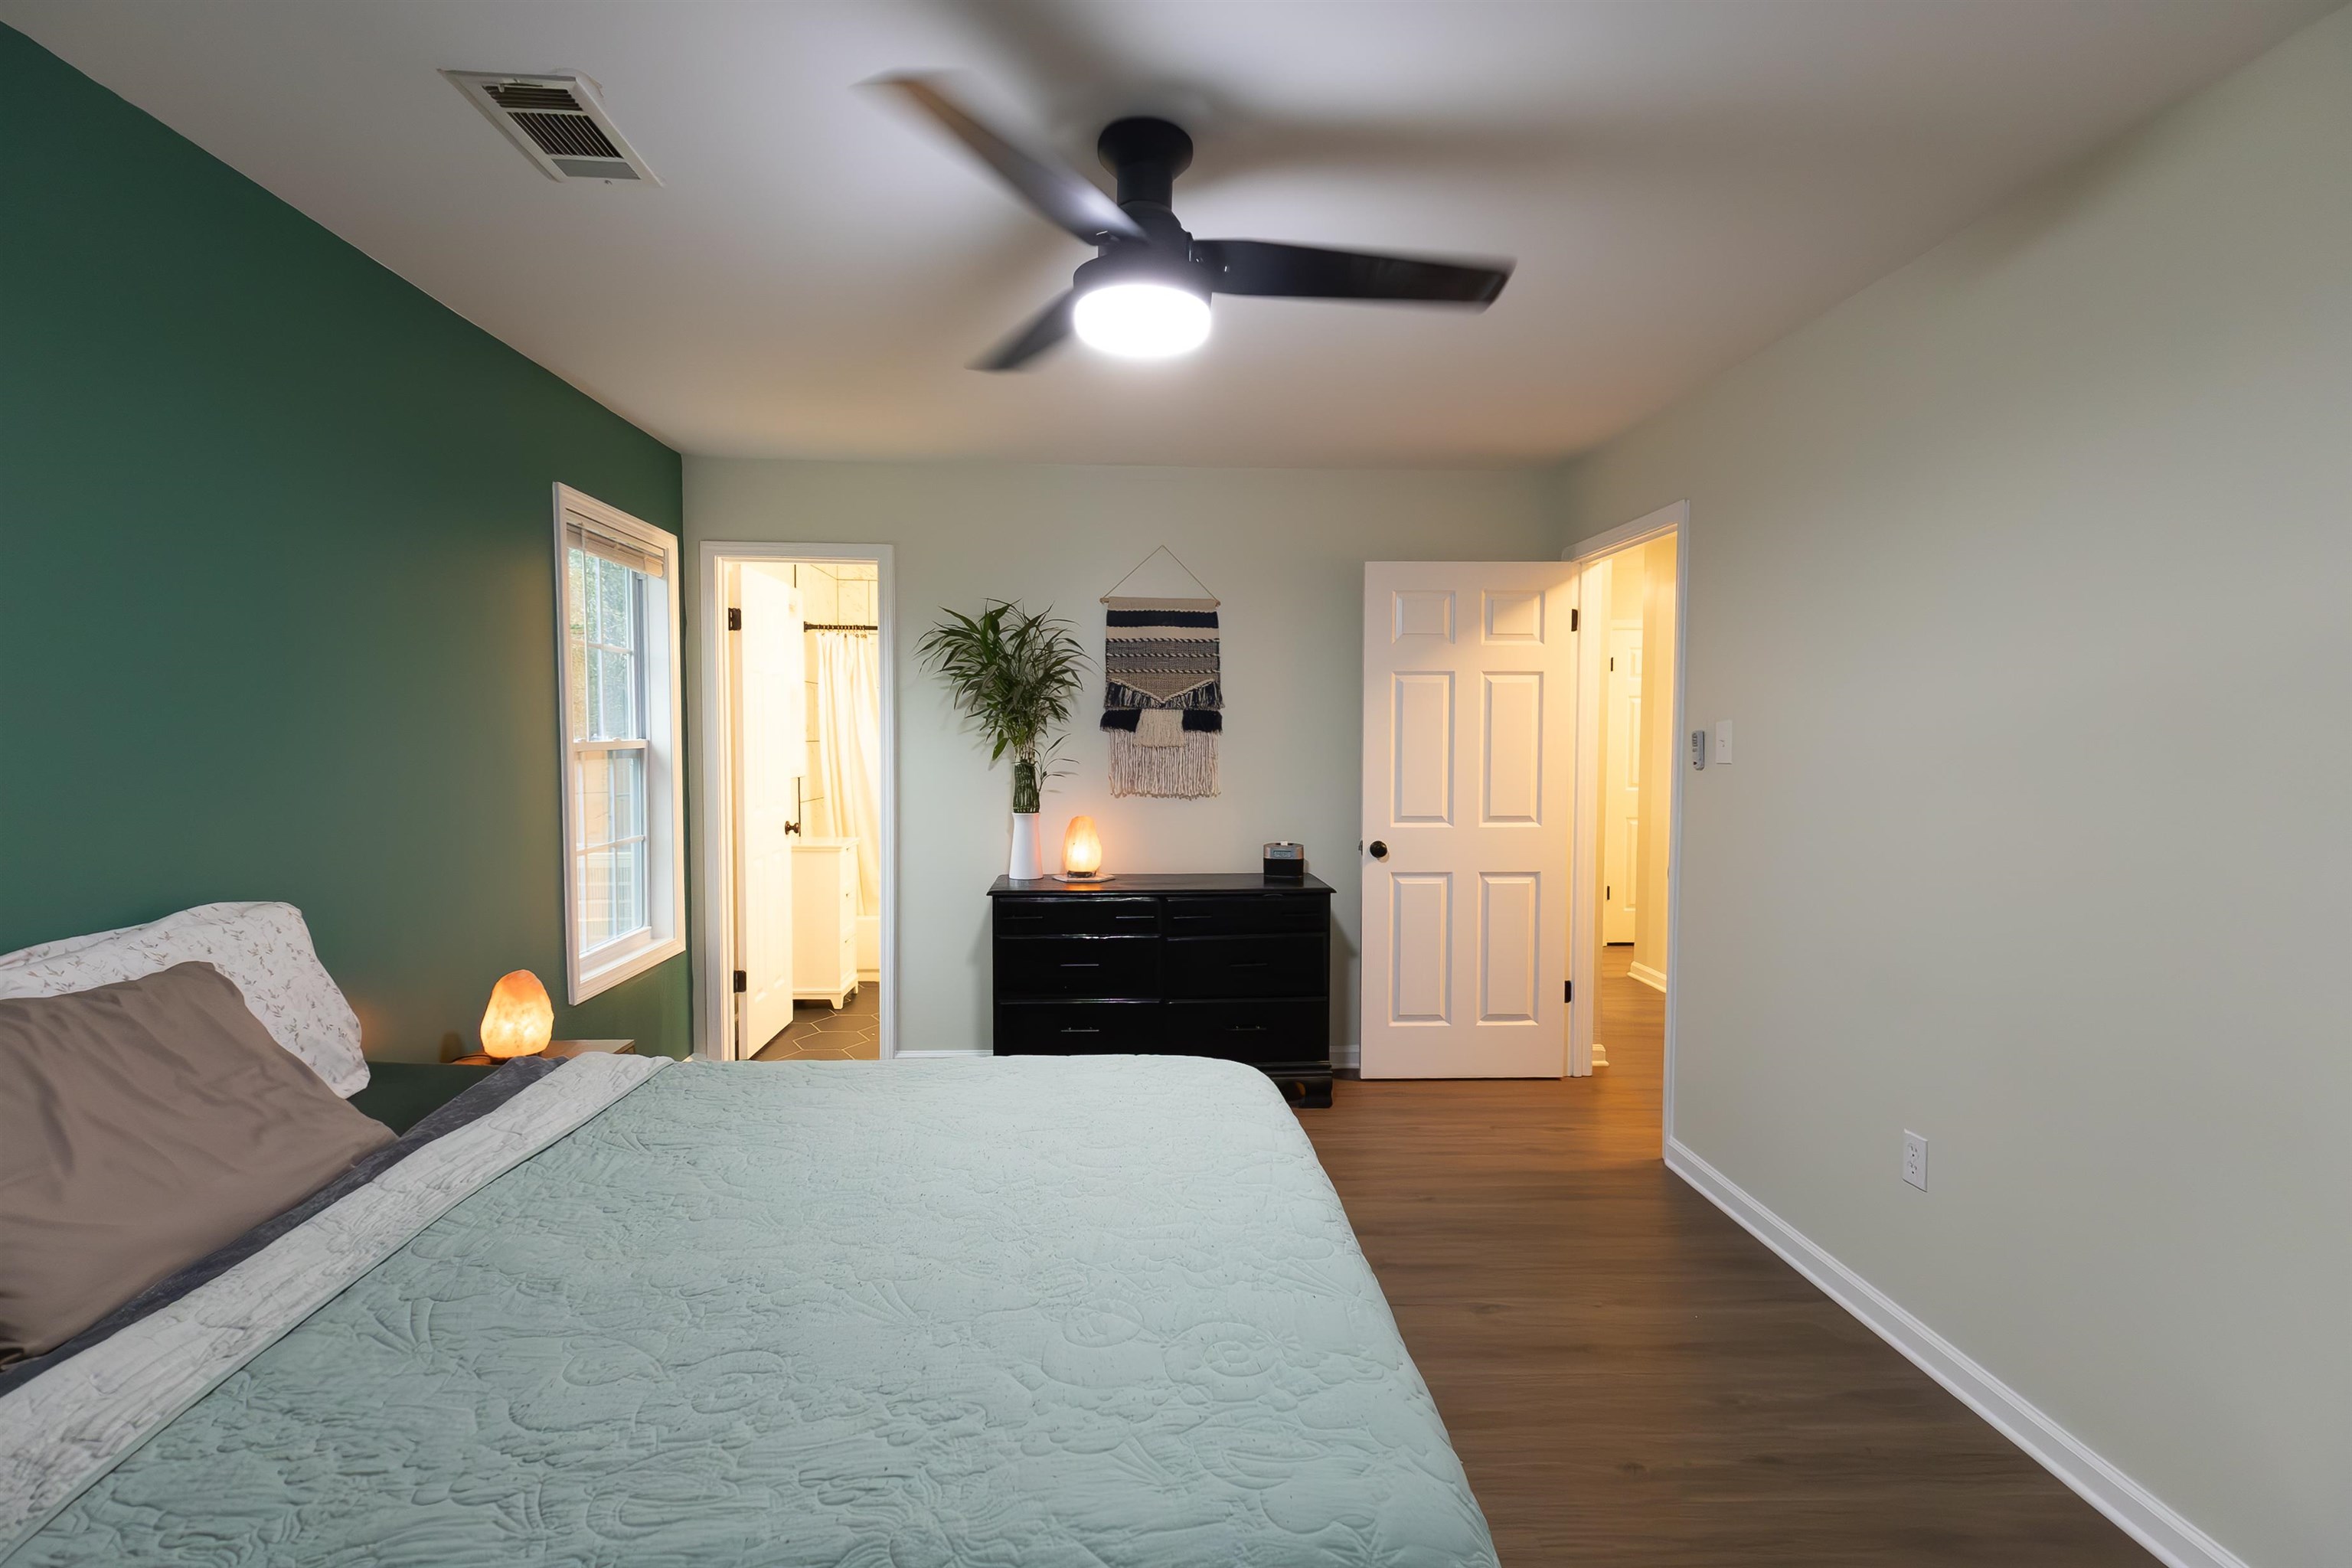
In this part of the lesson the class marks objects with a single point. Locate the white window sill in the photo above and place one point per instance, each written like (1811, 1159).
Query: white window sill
(600, 972)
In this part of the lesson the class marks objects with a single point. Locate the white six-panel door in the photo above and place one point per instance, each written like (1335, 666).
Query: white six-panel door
(1469, 678)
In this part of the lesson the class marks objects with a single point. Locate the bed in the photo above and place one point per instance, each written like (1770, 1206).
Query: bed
(1019, 1311)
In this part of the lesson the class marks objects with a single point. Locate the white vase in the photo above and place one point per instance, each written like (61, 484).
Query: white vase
(1025, 865)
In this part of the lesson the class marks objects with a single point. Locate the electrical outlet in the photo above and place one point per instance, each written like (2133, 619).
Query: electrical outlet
(1914, 1159)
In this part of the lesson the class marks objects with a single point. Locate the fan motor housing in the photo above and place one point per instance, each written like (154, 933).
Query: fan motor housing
(1145, 156)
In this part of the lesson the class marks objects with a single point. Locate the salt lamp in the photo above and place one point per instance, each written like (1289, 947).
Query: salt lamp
(1081, 850)
(519, 1017)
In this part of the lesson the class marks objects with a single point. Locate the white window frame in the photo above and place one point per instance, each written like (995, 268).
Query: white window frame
(661, 683)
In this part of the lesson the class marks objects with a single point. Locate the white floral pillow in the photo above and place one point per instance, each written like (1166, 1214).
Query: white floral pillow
(264, 949)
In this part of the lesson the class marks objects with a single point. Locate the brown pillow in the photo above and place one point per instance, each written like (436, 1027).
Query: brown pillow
(143, 1124)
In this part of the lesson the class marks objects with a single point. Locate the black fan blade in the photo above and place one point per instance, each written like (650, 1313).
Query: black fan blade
(1048, 327)
(1305, 272)
(1063, 194)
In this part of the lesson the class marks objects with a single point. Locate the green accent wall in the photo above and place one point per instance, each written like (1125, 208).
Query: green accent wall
(276, 589)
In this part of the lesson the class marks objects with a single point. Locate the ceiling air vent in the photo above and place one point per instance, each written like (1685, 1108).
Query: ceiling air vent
(558, 123)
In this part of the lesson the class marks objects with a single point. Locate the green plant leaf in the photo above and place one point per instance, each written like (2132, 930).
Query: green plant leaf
(1013, 675)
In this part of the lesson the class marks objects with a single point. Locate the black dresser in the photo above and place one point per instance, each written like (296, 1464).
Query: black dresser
(1218, 964)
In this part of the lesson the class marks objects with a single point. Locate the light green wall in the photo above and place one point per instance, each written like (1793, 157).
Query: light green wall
(2024, 576)
(278, 613)
(1283, 548)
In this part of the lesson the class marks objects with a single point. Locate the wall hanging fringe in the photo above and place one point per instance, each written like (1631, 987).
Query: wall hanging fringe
(1185, 772)
(1163, 691)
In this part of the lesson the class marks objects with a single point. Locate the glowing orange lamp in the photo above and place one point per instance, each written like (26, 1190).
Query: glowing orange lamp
(519, 1017)
(1081, 851)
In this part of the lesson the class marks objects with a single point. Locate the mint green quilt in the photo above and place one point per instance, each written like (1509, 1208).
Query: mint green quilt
(1022, 1313)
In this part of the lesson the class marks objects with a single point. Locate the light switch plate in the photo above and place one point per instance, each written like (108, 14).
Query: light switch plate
(1723, 742)
(1914, 1159)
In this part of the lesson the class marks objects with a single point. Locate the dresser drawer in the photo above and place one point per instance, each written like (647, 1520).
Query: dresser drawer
(1077, 1029)
(1074, 917)
(1292, 1029)
(1246, 966)
(1077, 966)
(1246, 912)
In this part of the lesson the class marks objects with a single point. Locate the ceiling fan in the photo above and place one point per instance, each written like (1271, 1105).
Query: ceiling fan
(1146, 293)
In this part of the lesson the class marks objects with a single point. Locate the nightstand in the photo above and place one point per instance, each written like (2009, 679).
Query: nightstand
(401, 1094)
(561, 1050)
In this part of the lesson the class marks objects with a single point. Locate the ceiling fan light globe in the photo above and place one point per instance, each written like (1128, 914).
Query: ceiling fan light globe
(1141, 320)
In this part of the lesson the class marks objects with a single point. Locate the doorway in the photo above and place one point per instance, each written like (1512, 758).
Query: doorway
(1630, 593)
(797, 792)
(1518, 805)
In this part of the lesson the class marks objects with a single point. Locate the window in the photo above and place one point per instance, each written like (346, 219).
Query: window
(623, 877)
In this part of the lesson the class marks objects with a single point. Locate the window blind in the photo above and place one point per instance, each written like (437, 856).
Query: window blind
(585, 534)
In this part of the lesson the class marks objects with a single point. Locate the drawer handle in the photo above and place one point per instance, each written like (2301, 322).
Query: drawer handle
(1082, 966)
(1250, 964)
(1245, 1028)
(1073, 1029)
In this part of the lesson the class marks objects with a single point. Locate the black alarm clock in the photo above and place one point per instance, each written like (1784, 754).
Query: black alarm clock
(1286, 862)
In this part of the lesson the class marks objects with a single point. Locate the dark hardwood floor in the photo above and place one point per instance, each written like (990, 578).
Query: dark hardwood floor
(1631, 1378)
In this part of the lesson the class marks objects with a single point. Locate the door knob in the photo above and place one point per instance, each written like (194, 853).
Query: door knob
(1380, 850)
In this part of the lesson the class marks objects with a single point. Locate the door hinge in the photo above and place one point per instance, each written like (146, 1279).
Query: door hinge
(742, 981)
(1573, 616)
(1567, 990)
(734, 619)
(1607, 891)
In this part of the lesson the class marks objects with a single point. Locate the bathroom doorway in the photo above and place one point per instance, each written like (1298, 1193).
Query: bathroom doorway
(797, 806)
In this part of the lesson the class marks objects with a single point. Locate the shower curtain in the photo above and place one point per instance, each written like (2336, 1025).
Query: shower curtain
(849, 728)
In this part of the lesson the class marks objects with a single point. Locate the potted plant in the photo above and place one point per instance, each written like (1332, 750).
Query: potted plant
(1014, 674)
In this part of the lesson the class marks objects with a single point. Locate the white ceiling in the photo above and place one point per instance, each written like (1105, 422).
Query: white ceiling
(1682, 182)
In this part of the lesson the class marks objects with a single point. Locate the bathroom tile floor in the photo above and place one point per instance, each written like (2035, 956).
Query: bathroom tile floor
(817, 1032)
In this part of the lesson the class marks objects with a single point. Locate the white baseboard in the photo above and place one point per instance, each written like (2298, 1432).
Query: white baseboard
(1648, 977)
(1350, 1056)
(2141, 1514)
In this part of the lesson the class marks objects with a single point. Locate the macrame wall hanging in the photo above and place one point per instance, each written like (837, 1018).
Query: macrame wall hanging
(1163, 696)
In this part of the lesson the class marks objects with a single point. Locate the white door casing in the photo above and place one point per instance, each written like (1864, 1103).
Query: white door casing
(713, 721)
(1620, 865)
(772, 752)
(1469, 673)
